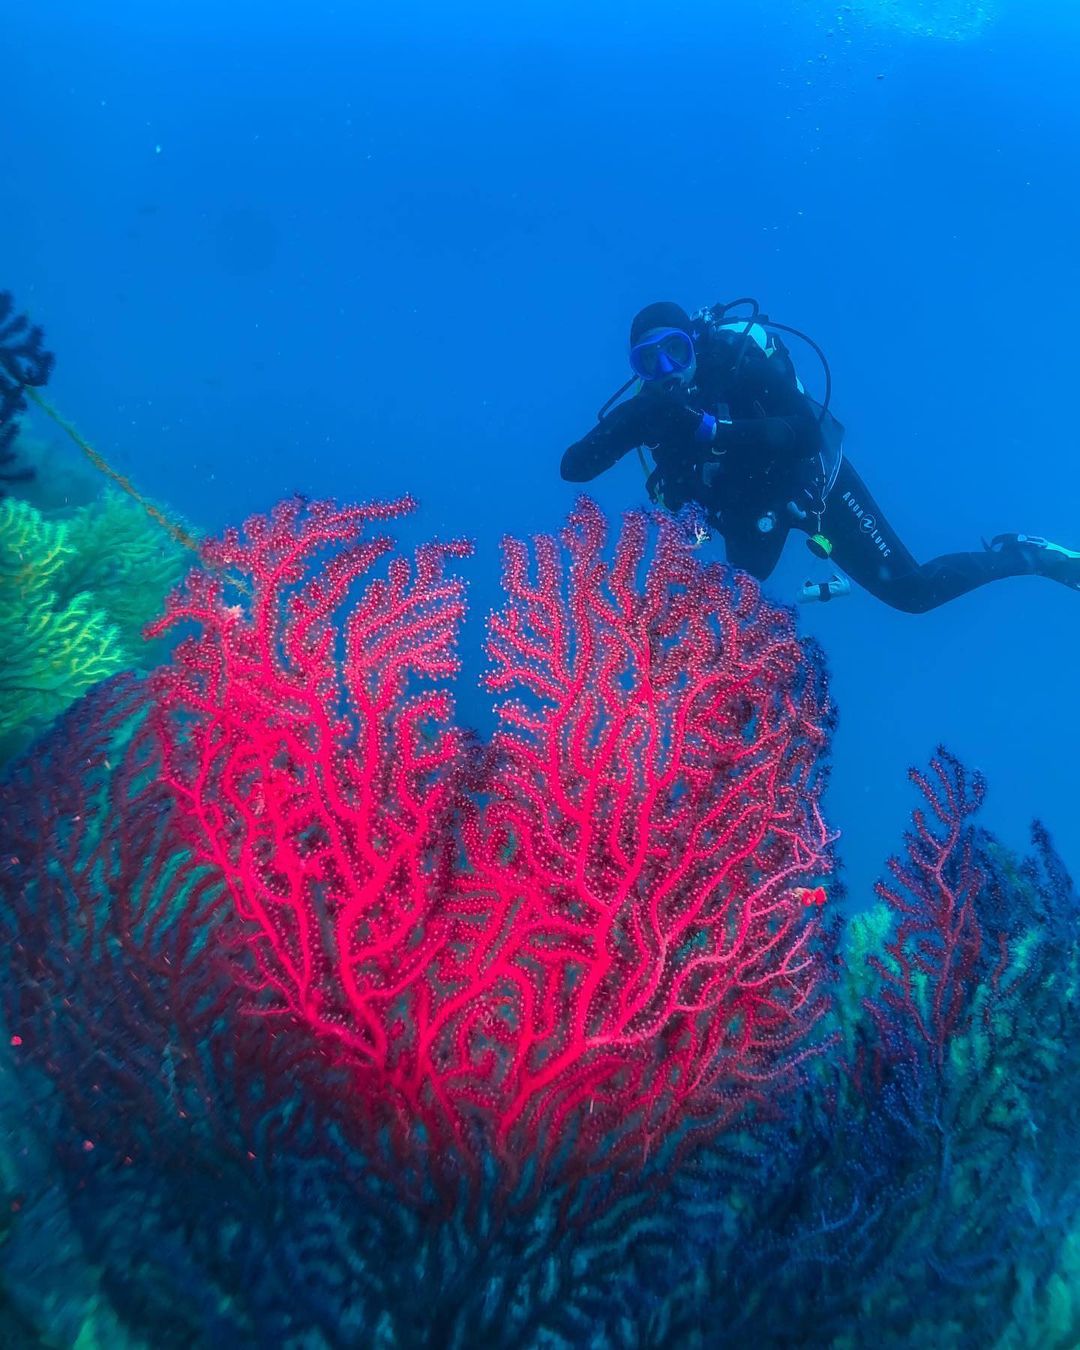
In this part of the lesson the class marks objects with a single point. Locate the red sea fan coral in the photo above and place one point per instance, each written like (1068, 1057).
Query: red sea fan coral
(579, 946)
(312, 775)
(646, 969)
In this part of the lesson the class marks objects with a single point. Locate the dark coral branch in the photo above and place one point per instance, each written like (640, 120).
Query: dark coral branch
(24, 364)
(934, 956)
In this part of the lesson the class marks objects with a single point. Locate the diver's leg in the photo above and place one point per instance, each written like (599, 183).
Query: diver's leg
(1047, 559)
(866, 547)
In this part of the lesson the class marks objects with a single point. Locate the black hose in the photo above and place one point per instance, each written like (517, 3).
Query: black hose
(756, 316)
(614, 398)
(797, 332)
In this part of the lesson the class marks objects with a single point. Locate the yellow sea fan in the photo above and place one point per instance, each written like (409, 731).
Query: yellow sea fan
(51, 656)
(54, 648)
(125, 560)
(75, 595)
(33, 550)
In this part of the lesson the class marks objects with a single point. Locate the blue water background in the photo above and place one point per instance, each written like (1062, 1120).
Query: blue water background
(361, 250)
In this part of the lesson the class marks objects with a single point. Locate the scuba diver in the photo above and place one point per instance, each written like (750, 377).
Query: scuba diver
(716, 400)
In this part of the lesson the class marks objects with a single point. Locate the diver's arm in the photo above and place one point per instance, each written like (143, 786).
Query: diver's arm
(643, 420)
(605, 444)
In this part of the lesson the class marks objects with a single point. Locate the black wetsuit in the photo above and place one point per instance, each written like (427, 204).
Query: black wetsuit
(772, 460)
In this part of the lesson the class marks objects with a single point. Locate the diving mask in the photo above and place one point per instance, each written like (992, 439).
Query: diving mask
(662, 354)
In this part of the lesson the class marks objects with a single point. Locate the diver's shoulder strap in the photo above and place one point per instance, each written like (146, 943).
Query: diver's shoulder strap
(711, 320)
(759, 340)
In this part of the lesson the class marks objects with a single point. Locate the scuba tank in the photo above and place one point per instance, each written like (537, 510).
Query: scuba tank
(719, 316)
(756, 328)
